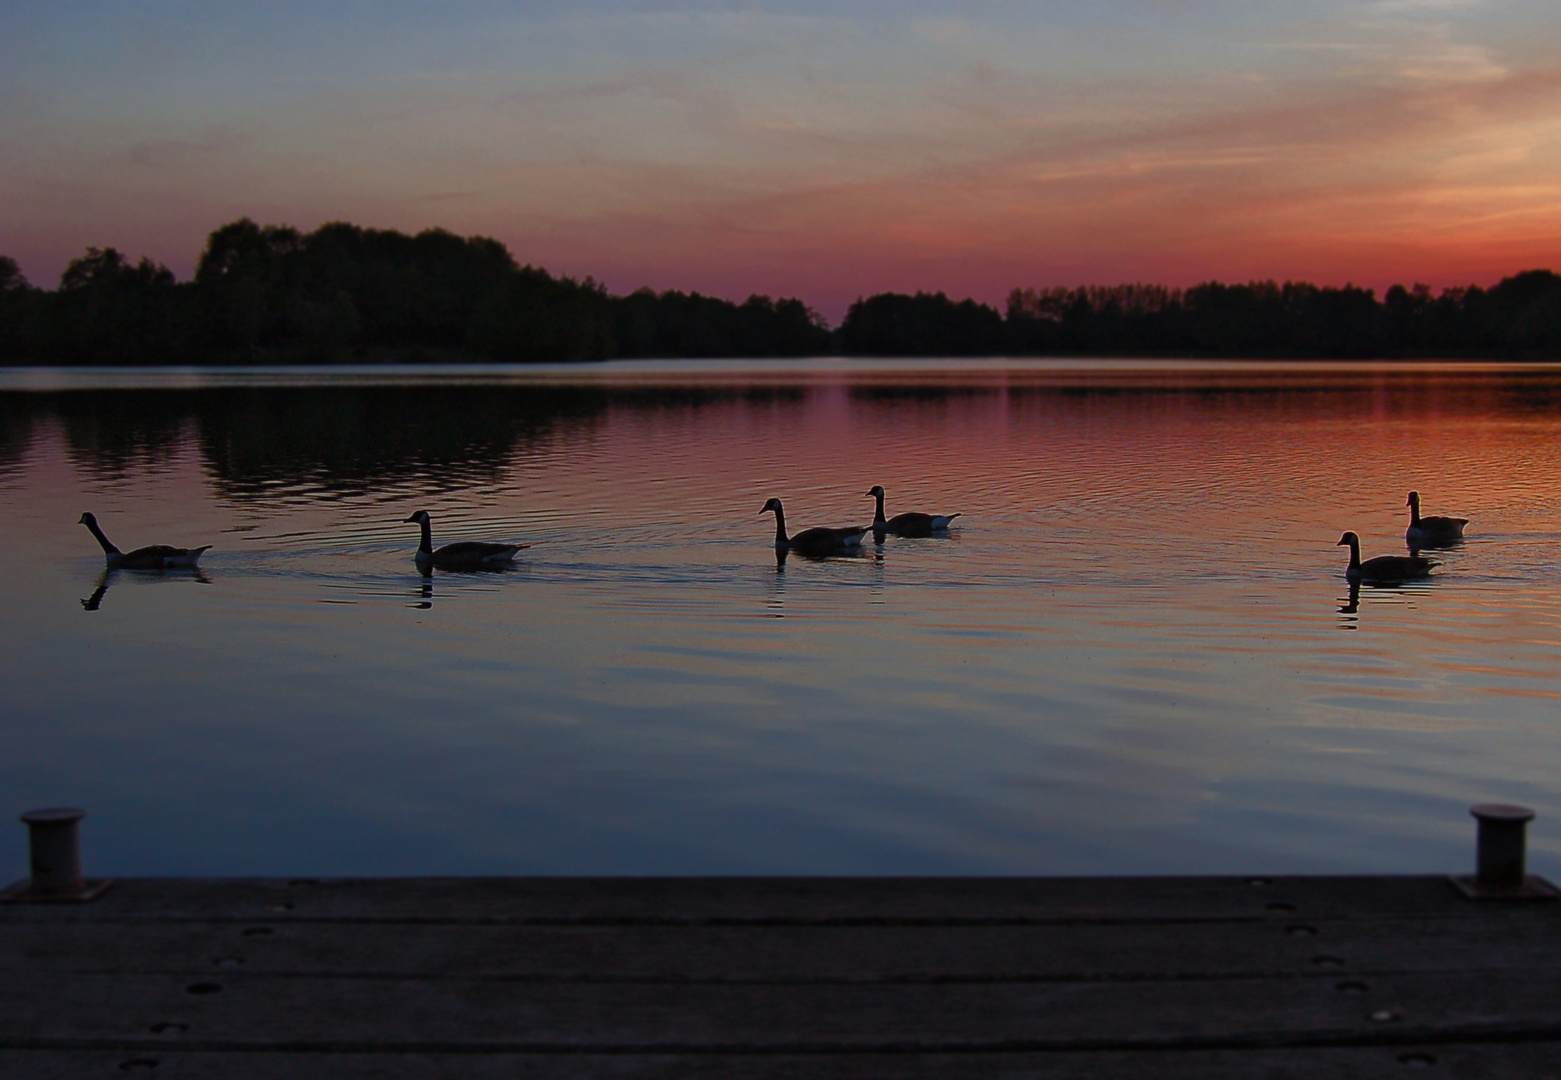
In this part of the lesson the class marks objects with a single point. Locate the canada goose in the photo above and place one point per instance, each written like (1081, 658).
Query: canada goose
(156, 557)
(816, 541)
(907, 524)
(465, 555)
(1383, 567)
(1431, 530)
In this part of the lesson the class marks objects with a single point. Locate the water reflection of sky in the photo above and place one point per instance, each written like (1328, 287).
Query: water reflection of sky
(1130, 656)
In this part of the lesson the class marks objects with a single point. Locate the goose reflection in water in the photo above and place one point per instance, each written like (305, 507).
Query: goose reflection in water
(1416, 547)
(425, 591)
(840, 555)
(1403, 589)
(108, 577)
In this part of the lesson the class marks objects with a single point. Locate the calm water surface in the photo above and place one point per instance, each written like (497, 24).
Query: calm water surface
(1135, 653)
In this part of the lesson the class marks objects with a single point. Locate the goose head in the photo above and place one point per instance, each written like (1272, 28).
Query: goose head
(420, 518)
(876, 492)
(1348, 538)
(1414, 500)
(87, 519)
(774, 505)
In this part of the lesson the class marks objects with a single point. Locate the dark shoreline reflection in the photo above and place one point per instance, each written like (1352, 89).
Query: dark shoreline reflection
(17, 416)
(1283, 390)
(345, 440)
(351, 439)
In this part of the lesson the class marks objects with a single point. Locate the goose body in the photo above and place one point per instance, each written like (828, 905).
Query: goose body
(1431, 530)
(462, 555)
(1383, 567)
(153, 557)
(907, 524)
(816, 541)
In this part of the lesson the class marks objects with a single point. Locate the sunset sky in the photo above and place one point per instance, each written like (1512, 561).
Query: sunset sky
(822, 150)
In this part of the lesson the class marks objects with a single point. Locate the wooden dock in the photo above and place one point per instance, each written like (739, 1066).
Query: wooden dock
(1292, 977)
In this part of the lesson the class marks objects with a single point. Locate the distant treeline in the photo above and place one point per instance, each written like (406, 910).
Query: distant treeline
(1520, 317)
(345, 293)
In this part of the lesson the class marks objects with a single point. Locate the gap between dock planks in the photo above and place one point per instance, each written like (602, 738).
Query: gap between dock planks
(1282, 976)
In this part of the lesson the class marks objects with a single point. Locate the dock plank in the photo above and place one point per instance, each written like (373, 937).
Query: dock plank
(250, 1012)
(1208, 977)
(1491, 940)
(1528, 1061)
(673, 901)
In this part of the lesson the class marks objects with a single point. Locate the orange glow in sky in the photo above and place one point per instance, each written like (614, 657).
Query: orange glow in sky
(822, 151)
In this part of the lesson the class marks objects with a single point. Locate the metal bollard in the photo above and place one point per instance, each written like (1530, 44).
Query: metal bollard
(55, 855)
(54, 843)
(1501, 857)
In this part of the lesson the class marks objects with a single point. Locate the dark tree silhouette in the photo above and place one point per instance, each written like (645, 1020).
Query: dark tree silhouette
(1527, 307)
(531, 317)
(108, 311)
(17, 309)
(11, 277)
(273, 294)
(927, 324)
(1265, 319)
(676, 324)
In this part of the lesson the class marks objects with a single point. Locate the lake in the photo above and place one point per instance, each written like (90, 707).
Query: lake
(1135, 652)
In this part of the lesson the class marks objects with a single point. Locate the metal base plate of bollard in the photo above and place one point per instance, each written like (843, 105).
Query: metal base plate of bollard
(24, 893)
(1534, 887)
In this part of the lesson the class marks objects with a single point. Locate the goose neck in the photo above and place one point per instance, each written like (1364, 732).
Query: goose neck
(878, 518)
(780, 526)
(97, 533)
(426, 547)
(1354, 554)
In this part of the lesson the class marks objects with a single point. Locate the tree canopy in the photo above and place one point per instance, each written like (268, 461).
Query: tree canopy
(270, 293)
(1520, 317)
